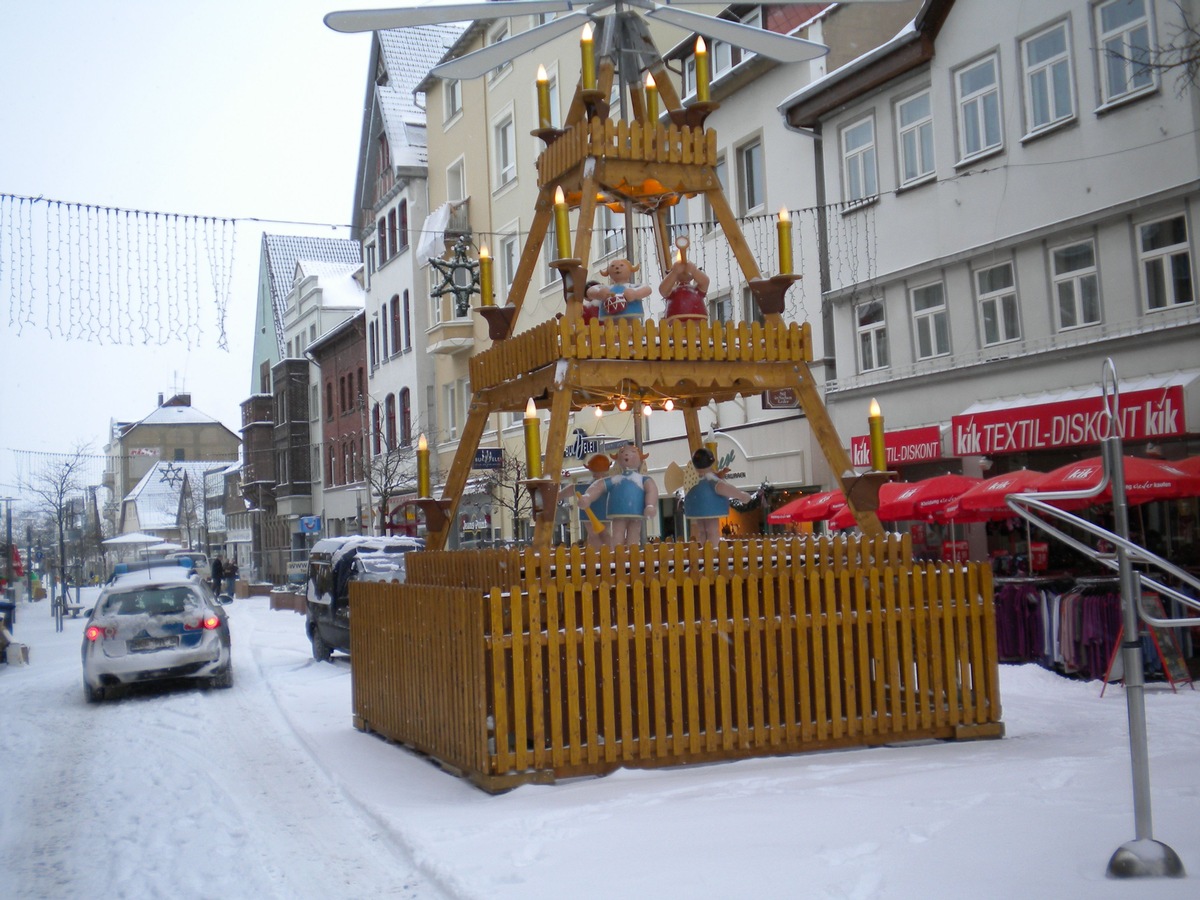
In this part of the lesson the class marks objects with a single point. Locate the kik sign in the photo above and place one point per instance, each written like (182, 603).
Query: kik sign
(1144, 415)
(901, 448)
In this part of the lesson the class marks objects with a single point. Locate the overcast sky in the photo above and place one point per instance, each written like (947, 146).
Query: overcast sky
(245, 109)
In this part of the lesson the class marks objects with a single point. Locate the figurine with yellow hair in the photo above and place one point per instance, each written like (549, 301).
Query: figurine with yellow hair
(623, 298)
(631, 496)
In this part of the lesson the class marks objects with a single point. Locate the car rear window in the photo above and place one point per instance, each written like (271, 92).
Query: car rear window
(168, 601)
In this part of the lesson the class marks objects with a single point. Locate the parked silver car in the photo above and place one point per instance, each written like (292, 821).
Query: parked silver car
(155, 624)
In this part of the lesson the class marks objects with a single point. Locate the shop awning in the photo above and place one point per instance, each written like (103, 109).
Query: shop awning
(1151, 408)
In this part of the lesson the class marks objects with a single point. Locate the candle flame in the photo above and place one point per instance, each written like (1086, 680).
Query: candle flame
(873, 409)
(586, 35)
(784, 216)
(422, 444)
(541, 74)
(530, 410)
(559, 196)
(483, 252)
(701, 47)
(650, 80)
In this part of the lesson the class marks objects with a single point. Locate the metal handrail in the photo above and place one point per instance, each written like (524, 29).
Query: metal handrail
(1137, 553)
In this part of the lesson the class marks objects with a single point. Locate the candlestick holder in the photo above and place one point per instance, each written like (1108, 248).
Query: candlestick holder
(548, 135)
(499, 320)
(595, 102)
(694, 114)
(436, 512)
(544, 494)
(769, 292)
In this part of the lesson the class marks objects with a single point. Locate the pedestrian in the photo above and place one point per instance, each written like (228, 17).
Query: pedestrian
(218, 574)
(231, 576)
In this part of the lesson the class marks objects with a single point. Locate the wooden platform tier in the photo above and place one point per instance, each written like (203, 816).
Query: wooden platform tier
(689, 359)
(683, 159)
(544, 667)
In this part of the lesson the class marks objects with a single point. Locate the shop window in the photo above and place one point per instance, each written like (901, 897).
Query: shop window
(914, 137)
(871, 328)
(1124, 45)
(999, 318)
(978, 95)
(931, 321)
(1049, 95)
(1165, 260)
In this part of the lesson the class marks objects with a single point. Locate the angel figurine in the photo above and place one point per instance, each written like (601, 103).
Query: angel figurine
(686, 287)
(707, 496)
(631, 496)
(623, 298)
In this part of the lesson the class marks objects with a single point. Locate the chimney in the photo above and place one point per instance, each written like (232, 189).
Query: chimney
(160, 398)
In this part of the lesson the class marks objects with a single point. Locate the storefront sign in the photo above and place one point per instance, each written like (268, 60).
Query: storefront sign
(488, 458)
(902, 448)
(583, 446)
(780, 398)
(1147, 414)
(1039, 556)
(310, 524)
(955, 551)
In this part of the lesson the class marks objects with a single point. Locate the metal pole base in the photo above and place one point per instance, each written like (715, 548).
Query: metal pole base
(1145, 859)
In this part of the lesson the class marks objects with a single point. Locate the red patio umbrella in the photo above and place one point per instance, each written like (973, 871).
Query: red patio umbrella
(820, 506)
(895, 502)
(1145, 480)
(783, 515)
(986, 500)
(1191, 465)
(923, 499)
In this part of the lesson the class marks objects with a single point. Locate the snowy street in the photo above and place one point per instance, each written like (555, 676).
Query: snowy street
(267, 790)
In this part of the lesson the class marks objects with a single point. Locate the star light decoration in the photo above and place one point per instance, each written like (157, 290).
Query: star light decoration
(460, 277)
(171, 474)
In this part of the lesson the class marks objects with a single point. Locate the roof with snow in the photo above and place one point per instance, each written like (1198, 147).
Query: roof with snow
(156, 498)
(339, 287)
(283, 251)
(408, 55)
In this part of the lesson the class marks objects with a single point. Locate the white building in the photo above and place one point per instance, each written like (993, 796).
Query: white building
(1019, 204)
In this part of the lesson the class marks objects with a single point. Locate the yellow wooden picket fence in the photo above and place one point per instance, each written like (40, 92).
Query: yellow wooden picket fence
(604, 138)
(508, 666)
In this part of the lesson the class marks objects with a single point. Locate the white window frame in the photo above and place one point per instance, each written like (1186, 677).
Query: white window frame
(860, 177)
(1049, 83)
(456, 180)
(751, 173)
(1118, 45)
(452, 99)
(1071, 285)
(720, 308)
(610, 232)
(871, 336)
(508, 257)
(980, 110)
(435, 303)
(750, 310)
(495, 36)
(450, 409)
(504, 151)
(1163, 267)
(550, 275)
(914, 139)
(931, 323)
(998, 305)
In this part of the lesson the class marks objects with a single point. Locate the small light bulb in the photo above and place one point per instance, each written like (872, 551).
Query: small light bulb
(599, 412)
(647, 410)
(622, 405)
(669, 405)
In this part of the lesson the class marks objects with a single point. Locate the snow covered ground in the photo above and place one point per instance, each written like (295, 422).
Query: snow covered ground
(266, 790)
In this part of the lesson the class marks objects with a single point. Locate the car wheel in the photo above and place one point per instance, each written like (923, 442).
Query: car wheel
(224, 678)
(321, 650)
(93, 695)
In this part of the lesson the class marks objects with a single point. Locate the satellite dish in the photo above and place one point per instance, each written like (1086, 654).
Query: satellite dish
(570, 15)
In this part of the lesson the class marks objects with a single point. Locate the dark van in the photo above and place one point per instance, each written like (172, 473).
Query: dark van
(332, 564)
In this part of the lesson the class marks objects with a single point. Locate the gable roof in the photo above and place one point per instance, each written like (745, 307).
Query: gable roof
(156, 498)
(407, 55)
(283, 251)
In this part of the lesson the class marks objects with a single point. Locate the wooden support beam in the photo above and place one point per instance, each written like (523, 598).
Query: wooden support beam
(691, 421)
(556, 443)
(456, 479)
(831, 444)
(542, 214)
(737, 241)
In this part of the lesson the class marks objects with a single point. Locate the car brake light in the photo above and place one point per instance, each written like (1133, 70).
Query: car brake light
(94, 633)
(212, 623)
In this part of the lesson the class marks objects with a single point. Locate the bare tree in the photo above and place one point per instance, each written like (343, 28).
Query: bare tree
(59, 488)
(504, 485)
(389, 474)
(1180, 54)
